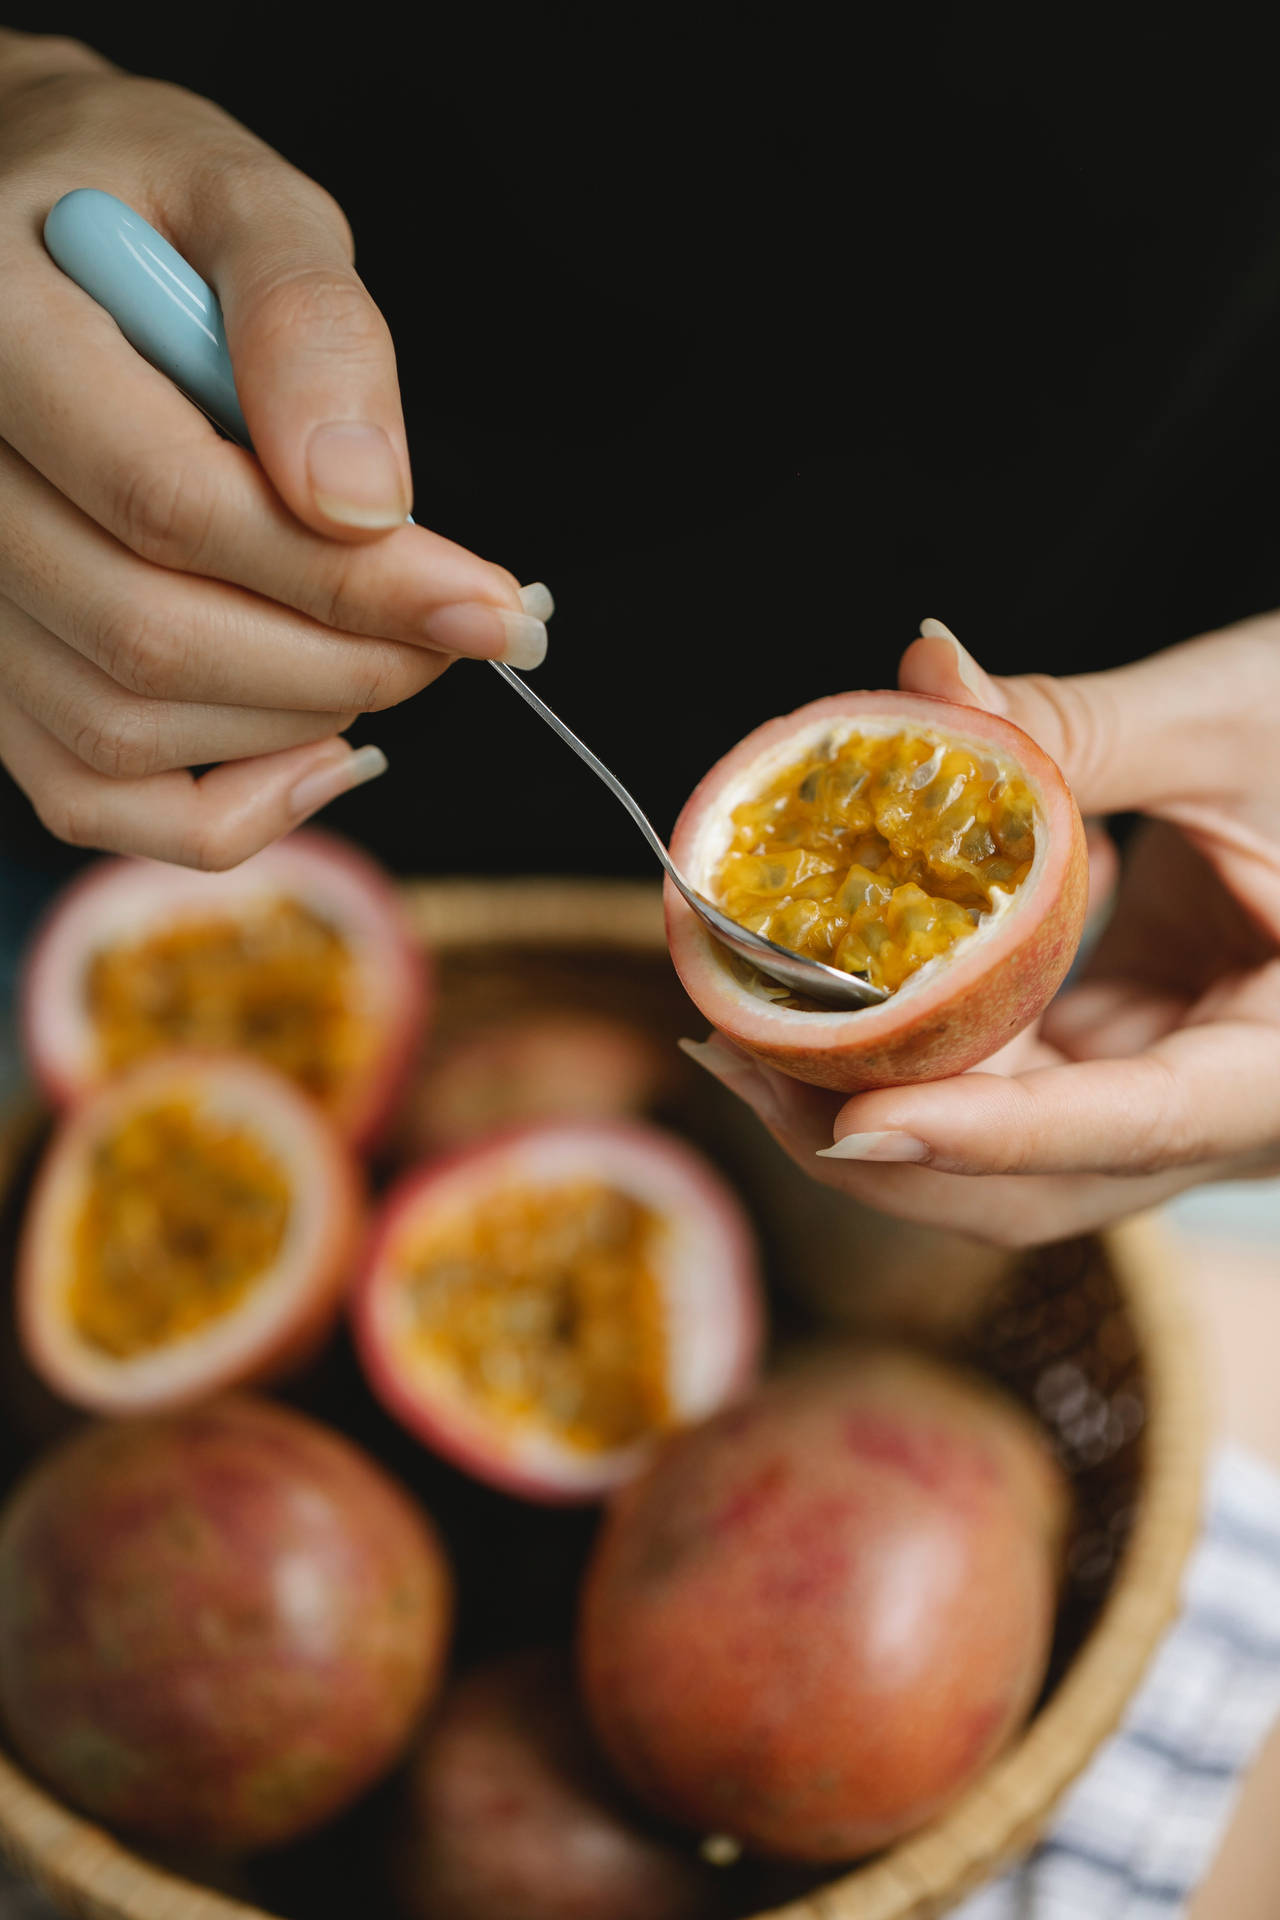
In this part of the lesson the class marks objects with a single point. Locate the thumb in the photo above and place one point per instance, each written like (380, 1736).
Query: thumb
(1164, 730)
(314, 364)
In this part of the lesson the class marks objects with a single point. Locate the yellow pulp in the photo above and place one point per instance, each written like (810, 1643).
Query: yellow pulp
(276, 981)
(879, 854)
(544, 1305)
(183, 1213)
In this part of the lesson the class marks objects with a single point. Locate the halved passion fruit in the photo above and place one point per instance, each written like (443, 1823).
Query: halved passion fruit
(301, 956)
(930, 847)
(540, 1306)
(191, 1228)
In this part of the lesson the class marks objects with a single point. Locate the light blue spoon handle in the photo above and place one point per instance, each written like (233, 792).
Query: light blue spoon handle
(158, 301)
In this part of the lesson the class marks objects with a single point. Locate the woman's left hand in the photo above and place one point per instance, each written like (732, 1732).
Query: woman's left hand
(1160, 1066)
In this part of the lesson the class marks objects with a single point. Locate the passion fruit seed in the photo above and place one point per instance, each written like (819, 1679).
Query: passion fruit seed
(183, 1213)
(275, 979)
(544, 1303)
(877, 854)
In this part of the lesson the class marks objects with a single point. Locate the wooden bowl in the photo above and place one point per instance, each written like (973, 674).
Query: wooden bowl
(1090, 1333)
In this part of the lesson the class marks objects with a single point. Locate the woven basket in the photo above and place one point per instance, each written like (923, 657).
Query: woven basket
(1090, 1328)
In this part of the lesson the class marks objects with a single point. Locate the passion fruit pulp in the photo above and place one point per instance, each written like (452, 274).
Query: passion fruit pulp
(300, 957)
(191, 1228)
(218, 1627)
(541, 1305)
(930, 847)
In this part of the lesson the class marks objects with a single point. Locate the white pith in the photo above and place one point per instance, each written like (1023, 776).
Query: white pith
(715, 832)
(699, 1265)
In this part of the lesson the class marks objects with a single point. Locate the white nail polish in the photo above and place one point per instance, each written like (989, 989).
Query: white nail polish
(526, 639)
(326, 783)
(536, 599)
(934, 630)
(885, 1147)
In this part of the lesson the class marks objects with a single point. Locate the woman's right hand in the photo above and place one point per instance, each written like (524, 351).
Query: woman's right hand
(166, 599)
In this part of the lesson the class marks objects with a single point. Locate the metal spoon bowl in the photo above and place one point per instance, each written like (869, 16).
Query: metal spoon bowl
(171, 316)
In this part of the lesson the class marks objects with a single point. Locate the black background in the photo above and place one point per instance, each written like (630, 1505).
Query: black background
(759, 334)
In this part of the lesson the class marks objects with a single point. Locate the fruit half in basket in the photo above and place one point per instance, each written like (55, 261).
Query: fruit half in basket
(541, 1305)
(817, 1617)
(301, 956)
(219, 1626)
(932, 848)
(191, 1227)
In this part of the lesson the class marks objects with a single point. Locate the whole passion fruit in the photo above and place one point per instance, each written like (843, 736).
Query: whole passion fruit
(509, 1813)
(216, 1628)
(191, 1227)
(818, 1616)
(932, 848)
(541, 1305)
(301, 957)
(541, 1066)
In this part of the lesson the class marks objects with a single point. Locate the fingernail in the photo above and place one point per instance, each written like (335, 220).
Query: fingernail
(746, 1081)
(876, 1146)
(488, 633)
(973, 677)
(536, 599)
(326, 783)
(355, 476)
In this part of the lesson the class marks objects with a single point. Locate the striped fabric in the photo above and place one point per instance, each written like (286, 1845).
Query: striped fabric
(1139, 1830)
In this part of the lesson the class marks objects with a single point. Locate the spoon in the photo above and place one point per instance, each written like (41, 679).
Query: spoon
(169, 314)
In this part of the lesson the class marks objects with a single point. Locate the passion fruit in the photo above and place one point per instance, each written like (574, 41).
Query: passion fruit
(818, 1616)
(539, 1306)
(191, 1227)
(542, 1066)
(301, 957)
(509, 1813)
(933, 849)
(217, 1628)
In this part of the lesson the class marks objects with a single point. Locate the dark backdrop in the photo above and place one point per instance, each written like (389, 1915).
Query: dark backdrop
(758, 336)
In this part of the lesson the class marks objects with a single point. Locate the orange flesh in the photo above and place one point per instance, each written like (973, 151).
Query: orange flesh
(544, 1305)
(275, 980)
(879, 854)
(183, 1213)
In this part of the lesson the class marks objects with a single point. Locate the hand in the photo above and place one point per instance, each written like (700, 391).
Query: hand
(1161, 1066)
(166, 600)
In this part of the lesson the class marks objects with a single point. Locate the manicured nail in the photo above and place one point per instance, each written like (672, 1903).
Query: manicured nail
(536, 599)
(876, 1146)
(975, 678)
(355, 476)
(326, 783)
(488, 633)
(735, 1073)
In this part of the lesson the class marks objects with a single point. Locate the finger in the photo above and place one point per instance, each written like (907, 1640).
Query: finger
(125, 735)
(170, 635)
(212, 822)
(1013, 1210)
(118, 439)
(1150, 736)
(314, 364)
(1201, 1094)
(1111, 1018)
